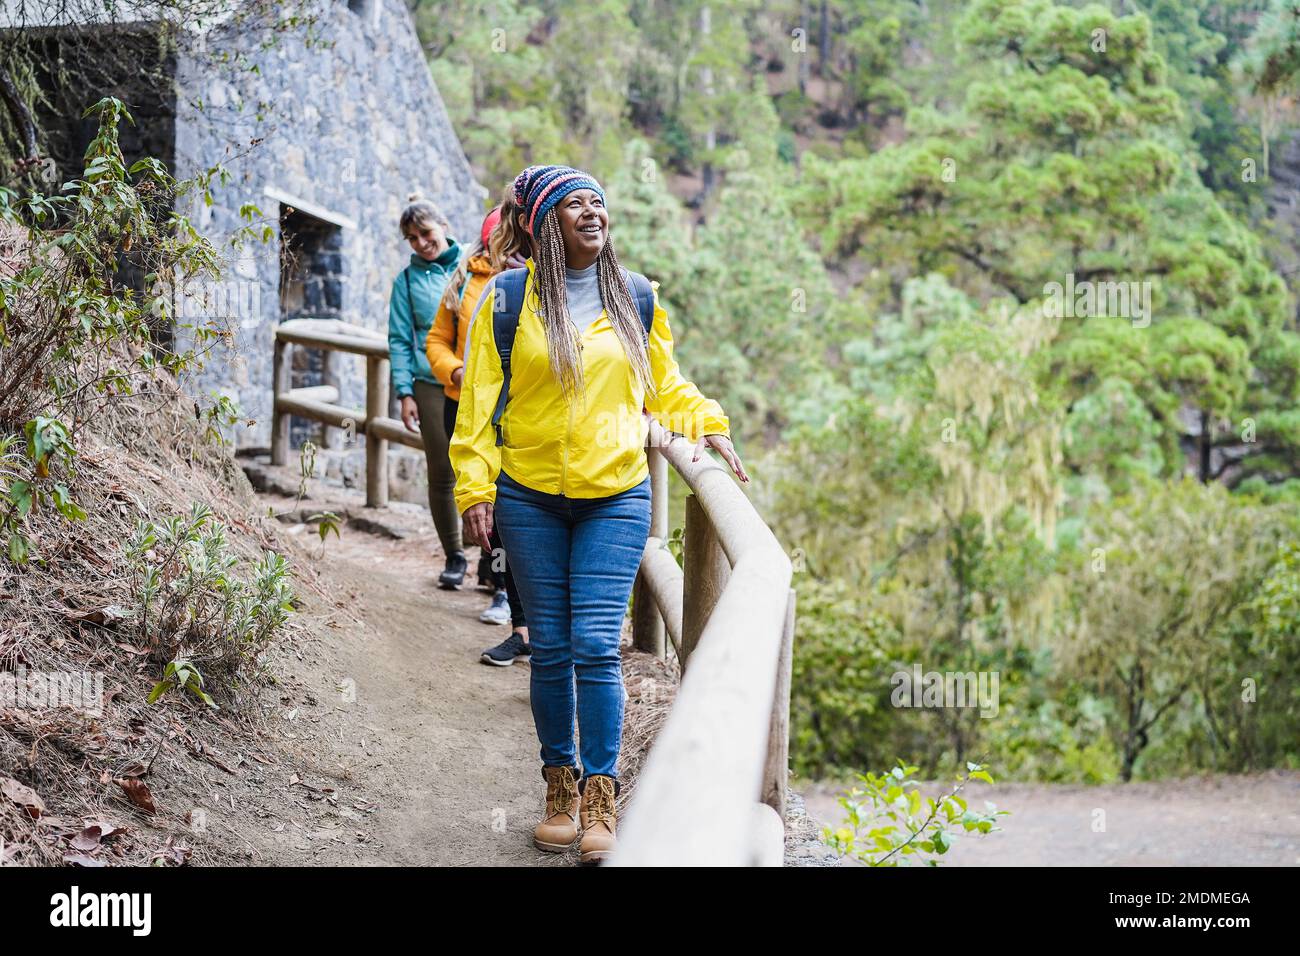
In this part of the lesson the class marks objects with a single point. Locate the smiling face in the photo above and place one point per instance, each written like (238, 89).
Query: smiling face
(584, 226)
(428, 242)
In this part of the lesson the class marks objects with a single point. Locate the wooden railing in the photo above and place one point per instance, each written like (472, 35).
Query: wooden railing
(713, 788)
(712, 791)
(319, 402)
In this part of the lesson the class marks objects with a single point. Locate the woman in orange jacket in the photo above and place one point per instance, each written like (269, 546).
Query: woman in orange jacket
(541, 446)
(502, 245)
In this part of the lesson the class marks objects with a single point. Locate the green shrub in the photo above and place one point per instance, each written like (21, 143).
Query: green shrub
(839, 707)
(889, 823)
(85, 313)
(204, 613)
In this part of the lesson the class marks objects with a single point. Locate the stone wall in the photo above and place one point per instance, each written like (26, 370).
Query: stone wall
(345, 133)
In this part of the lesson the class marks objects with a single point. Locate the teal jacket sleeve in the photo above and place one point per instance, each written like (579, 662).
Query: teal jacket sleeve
(401, 338)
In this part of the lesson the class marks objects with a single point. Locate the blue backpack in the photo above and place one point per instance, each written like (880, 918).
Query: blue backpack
(507, 299)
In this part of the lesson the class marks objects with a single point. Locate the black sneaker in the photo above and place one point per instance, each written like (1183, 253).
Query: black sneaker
(513, 648)
(454, 574)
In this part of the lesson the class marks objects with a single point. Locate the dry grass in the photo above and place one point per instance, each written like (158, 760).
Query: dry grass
(651, 688)
(146, 457)
(143, 456)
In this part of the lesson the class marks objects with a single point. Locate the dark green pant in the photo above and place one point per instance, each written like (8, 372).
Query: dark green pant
(442, 479)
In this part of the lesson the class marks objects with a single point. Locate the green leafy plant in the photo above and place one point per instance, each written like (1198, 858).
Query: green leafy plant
(676, 544)
(185, 675)
(328, 521)
(306, 467)
(224, 412)
(200, 605)
(889, 822)
(33, 473)
(85, 314)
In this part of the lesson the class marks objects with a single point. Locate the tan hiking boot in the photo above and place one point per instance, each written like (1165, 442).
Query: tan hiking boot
(559, 828)
(598, 818)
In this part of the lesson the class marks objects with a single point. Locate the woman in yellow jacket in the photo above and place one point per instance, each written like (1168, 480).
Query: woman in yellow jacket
(502, 244)
(565, 474)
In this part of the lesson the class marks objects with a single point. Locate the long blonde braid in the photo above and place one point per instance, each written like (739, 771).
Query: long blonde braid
(551, 303)
(508, 239)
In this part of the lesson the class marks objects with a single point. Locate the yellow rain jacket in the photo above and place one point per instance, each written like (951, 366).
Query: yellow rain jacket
(591, 448)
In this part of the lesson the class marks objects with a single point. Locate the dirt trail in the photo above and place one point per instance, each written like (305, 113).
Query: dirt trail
(1202, 821)
(412, 751)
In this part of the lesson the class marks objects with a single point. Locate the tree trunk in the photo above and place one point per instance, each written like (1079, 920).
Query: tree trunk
(19, 114)
(1206, 446)
(1133, 735)
(824, 42)
(710, 134)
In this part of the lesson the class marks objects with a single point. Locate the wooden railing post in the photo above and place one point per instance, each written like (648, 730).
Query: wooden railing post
(280, 372)
(319, 403)
(697, 798)
(376, 447)
(647, 622)
(777, 770)
(705, 572)
(330, 437)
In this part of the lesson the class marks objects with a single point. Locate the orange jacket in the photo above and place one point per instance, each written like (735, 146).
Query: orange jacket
(446, 355)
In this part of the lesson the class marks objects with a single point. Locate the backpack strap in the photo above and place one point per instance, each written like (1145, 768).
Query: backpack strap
(644, 296)
(507, 300)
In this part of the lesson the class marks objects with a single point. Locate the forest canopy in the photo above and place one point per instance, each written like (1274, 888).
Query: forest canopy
(1002, 296)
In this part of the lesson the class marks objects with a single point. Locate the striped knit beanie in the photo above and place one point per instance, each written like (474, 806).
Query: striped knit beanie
(538, 188)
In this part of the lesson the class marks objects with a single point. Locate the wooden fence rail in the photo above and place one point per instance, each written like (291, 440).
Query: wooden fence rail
(712, 791)
(318, 402)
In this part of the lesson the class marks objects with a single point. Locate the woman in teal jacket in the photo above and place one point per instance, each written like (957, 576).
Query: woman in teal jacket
(417, 292)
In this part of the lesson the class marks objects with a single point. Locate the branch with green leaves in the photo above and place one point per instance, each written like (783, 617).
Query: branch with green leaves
(889, 823)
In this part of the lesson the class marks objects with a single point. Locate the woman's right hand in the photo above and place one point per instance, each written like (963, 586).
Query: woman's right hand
(477, 522)
(410, 414)
(458, 376)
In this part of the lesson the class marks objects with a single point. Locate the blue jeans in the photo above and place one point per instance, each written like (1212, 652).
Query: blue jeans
(574, 561)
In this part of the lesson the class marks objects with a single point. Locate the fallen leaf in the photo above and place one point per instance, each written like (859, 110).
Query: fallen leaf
(106, 830)
(80, 859)
(137, 792)
(100, 615)
(86, 841)
(169, 853)
(24, 796)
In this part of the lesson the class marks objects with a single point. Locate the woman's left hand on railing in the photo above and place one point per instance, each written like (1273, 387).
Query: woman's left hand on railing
(722, 444)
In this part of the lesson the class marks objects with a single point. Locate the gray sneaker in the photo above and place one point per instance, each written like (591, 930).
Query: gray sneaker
(513, 648)
(499, 612)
